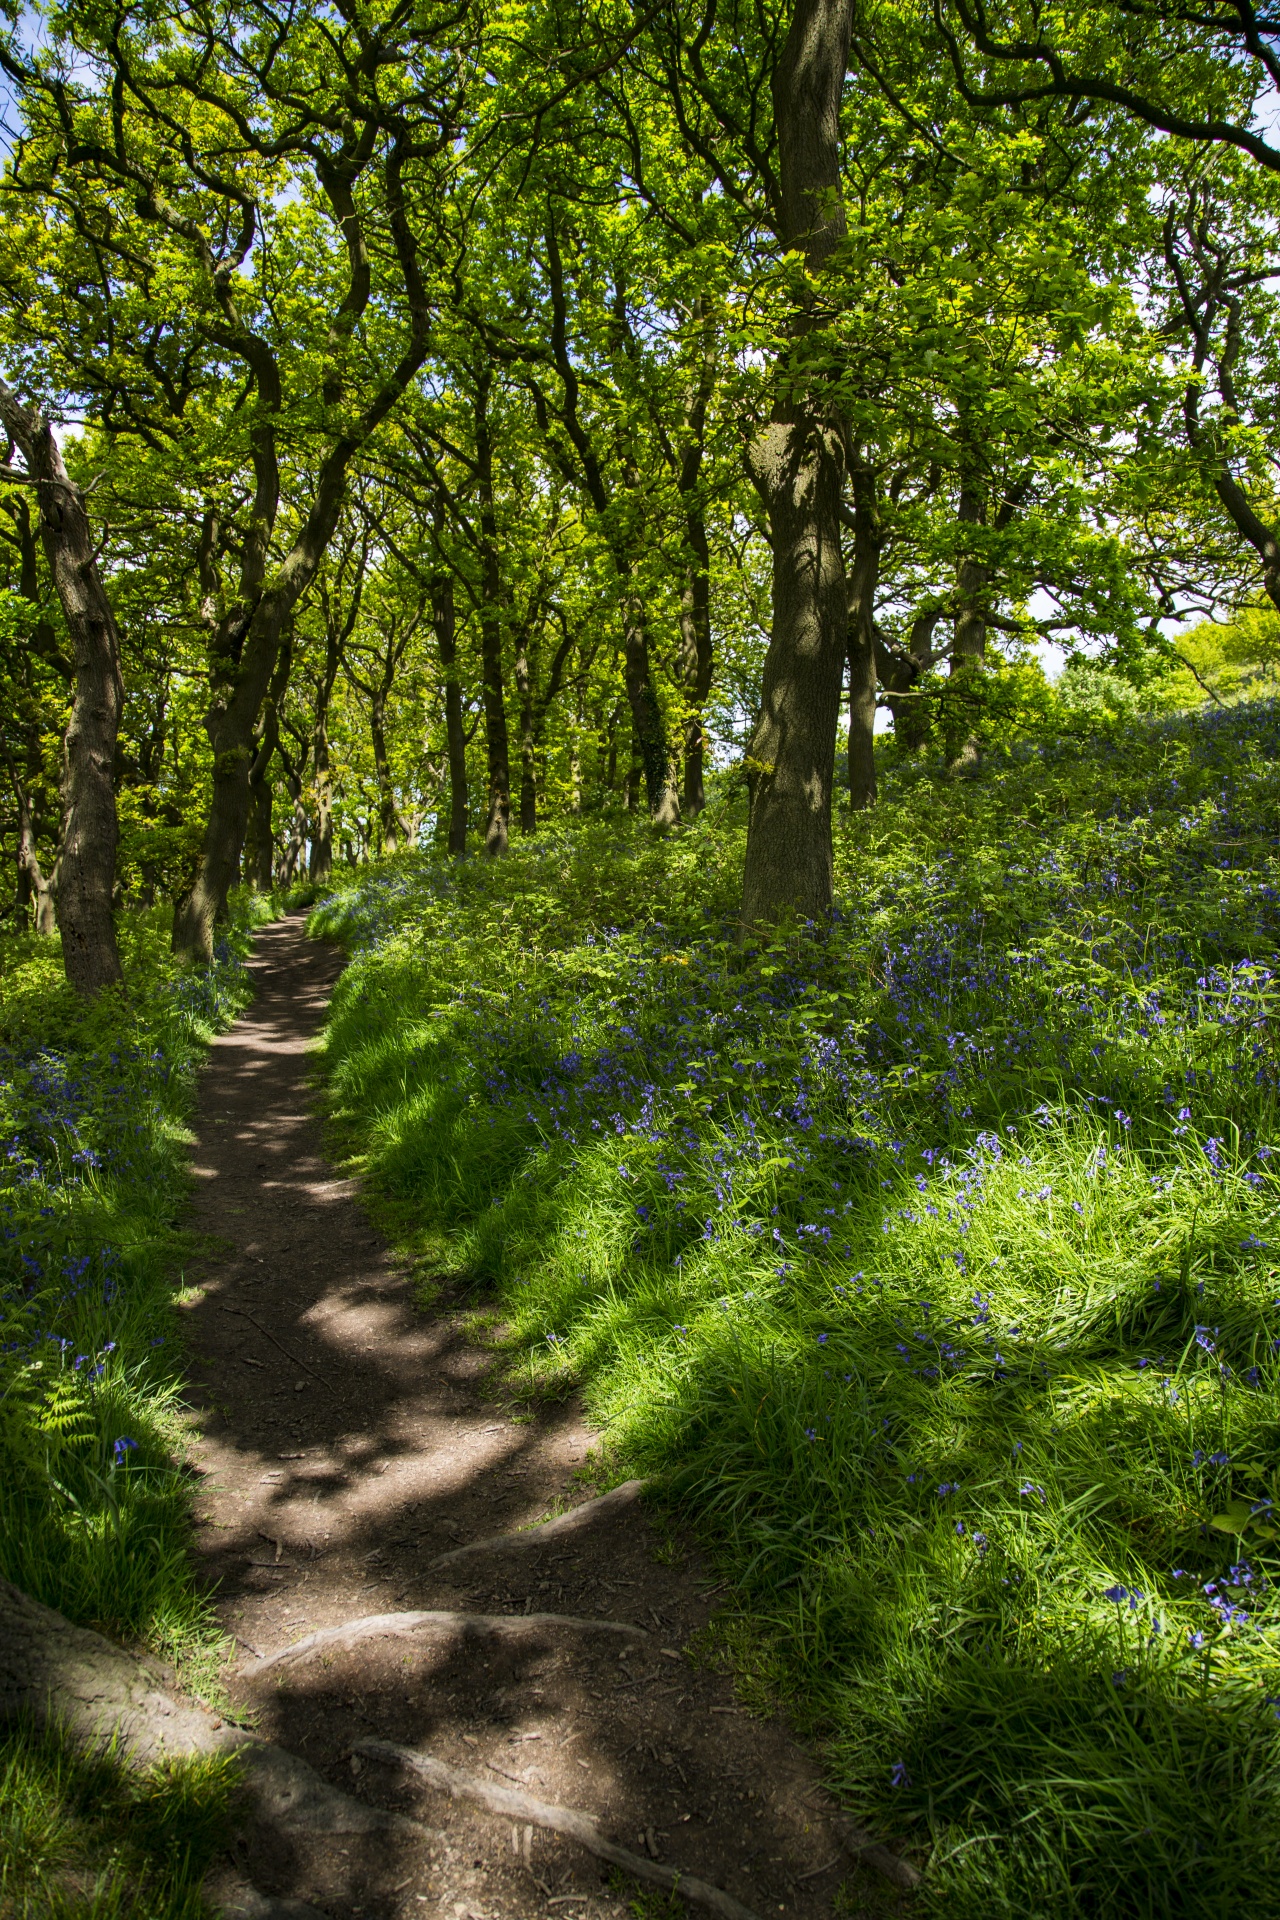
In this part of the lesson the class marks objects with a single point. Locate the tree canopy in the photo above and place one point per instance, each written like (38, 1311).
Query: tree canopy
(427, 419)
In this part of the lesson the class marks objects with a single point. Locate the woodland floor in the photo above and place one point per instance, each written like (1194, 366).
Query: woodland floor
(331, 1480)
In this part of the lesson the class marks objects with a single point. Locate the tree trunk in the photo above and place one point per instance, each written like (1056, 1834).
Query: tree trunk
(969, 646)
(260, 836)
(910, 715)
(863, 581)
(33, 885)
(90, 829)
(497, 827)
(528, 741)
(388, 818)
(230, 724)
(696, 653)
(442, 616)
(648, 734)
(791, 757)
(320, 866)
(798, 467)
(298, 826)
(260, 841)
(697, 659)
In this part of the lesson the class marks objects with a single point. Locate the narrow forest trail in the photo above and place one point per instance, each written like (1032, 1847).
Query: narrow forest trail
(346, 1440)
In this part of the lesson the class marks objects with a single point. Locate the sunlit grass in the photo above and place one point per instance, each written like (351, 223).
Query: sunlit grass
(927, 1260)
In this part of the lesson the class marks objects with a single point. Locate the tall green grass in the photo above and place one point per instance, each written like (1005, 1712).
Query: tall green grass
(94, 1501)
(930, 1259)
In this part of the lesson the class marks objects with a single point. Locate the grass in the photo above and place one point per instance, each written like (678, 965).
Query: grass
(928, 1259)
(94, 1500)
(84, 1839)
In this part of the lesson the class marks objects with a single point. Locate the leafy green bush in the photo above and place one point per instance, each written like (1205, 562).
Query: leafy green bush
(929, 1258)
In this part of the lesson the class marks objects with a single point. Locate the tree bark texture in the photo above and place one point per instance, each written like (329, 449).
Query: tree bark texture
(442, 616)
(797, 465)
(90, 828)
(791, 758)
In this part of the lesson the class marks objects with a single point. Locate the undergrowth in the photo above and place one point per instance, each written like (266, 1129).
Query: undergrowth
(82, 1838)
(94, 1502)
(929, 1259)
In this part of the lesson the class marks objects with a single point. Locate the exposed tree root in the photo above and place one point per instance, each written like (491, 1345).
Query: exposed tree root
(872, 1853)
(468, 1626)
(103, 1697)
(574, 1825)
(575, 1521)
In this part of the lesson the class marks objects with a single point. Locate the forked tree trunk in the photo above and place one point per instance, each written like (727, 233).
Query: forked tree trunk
(442, 616)
(797, 465)
(230, 724)
(910, 710)
(90, 828)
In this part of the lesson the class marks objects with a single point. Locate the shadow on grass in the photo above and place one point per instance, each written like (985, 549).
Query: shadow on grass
(86, 1838)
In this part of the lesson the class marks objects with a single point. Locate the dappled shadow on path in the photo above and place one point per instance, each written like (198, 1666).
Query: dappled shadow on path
(346, 1439)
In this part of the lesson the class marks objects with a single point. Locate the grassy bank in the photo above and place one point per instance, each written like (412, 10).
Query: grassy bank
(94, 1505)
(931, 1261)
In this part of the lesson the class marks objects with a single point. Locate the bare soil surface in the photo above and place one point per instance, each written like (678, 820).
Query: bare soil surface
(346, 1438)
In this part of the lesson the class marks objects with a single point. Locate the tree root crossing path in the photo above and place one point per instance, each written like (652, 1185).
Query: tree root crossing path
(497, 1722)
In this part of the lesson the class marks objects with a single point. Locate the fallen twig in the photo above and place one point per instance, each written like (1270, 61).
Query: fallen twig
(276, 1343)
(513, 1626)
(564, 1523)
(574, 1825)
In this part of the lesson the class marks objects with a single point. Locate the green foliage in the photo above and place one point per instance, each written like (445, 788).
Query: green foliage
(82, 1839)
(94, 1503)
(928, 1261)
(93, 1102)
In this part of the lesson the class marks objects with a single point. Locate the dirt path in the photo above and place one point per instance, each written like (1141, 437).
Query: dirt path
(347, 1440)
